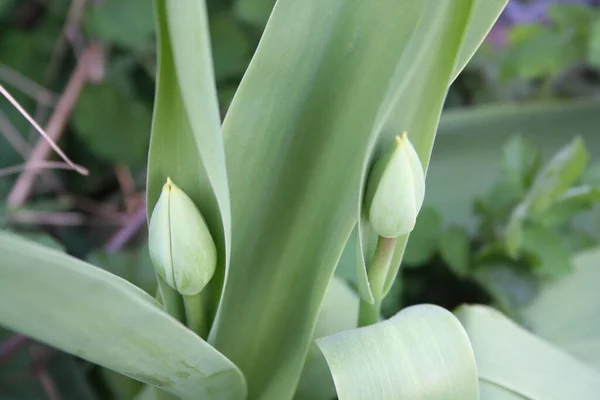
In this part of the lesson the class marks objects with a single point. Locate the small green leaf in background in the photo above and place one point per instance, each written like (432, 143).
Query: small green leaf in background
(422, 244)
(231, 49)
(521, 161)
(255, 12)
(552, 258)
(573, 201)
(562, 171)
(572, 16)
(455, 249)
(115, 127)
(421, 353)
(127, 23)
(514, 231)
(537, 50)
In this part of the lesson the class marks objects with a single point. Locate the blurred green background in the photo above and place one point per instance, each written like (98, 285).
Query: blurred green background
(512, 189)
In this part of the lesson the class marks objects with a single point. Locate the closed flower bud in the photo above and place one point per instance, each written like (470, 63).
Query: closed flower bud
(395, 190)
(181, 247)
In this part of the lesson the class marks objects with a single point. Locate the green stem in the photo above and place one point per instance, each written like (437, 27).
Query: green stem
(377, 272)
(171, 300)
(160, 394)
(194, 313)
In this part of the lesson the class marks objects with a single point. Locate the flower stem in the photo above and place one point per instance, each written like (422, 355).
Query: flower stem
(171, 300)
(194, 313)
(377, 273)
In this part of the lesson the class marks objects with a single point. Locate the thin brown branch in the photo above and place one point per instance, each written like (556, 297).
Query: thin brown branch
(30, 217)
(48, 139)
(74, 16)
(54, 129)
(41, 165)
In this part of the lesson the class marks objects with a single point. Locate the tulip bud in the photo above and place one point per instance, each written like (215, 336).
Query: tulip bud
(395, 190)
(181, 247)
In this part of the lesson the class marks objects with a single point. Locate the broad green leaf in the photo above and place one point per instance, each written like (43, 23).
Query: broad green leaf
(482, 19)
(421, 353)
(514, 359)
(102, 318)
(552, 258)
(296, 134)
(415, 101)
(338, 313)
(104, 116)
(489, 391)
(455, 249)
(186, 143)
(424, 238)
(567, 311)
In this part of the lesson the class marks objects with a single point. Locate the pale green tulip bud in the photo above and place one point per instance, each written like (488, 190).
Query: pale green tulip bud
(181, 247)
(395, 190)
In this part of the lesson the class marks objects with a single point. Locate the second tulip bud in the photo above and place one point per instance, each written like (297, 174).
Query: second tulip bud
(395, 190)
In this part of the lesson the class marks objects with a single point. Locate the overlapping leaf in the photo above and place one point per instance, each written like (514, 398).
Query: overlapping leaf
(102, 318)
(421, 353)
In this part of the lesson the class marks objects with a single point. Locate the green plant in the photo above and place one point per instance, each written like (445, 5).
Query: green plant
(279, 186)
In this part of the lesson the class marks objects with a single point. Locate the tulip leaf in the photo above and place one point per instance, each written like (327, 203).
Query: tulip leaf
(447, 35)
(516, 360)
(296, 135)
(338, 313)
(421, 353)
(186, 142)
(567, 311)
(106, 320)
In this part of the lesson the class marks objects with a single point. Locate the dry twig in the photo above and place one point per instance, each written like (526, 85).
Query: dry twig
(41, 152)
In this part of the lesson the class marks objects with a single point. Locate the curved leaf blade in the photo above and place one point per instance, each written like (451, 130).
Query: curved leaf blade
(186, 142)
(100, 317)
(295, 136)
(567, 311)
(422, 352)
(339, 312)
(515, 359)
(414, 104)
